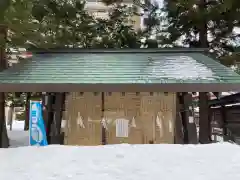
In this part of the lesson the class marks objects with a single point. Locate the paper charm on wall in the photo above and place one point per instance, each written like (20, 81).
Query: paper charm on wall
(122, 127)
(133, 122)
(159, 123)
(69, 123)
(109, 121)
(170, 124)
(191, 119)
(89, 119)
(80, 121)
(104, 123)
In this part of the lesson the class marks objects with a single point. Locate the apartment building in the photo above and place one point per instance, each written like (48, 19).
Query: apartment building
(98, 9)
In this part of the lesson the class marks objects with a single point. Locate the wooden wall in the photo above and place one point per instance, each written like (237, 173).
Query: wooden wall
(232, 114)
(151, 117)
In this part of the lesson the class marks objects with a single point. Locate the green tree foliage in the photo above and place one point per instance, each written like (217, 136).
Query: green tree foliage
(4, 5)
(63, 23)
(18, 19)
(117, 31)
(151, 20)
(194, 20)
(67, 23)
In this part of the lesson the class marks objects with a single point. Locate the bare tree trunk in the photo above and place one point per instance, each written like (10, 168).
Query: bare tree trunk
(10, 116)
(203, 29)
(4, 142)
(26, 124)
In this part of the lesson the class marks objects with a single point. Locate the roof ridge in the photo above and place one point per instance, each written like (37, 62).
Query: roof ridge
(123, 50)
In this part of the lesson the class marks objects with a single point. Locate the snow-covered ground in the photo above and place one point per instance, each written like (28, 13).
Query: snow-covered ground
(18, 137)
(219, 161)
(122, 162)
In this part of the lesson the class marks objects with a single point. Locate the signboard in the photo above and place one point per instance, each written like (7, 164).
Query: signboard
(37, 127)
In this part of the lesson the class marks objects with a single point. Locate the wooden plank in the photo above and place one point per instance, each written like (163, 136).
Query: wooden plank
(83, 115)
(125, 106)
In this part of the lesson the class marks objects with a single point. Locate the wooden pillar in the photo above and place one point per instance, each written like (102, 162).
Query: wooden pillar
(44, 108)
(104, 134)
(59, 102)
(4, 142)
(183, 118)
(26, 124)
(57, 136)
(49, 116)
(210, 116)
(204, 124)
(193, 139)
(187, 117)
(178, 139)
(224, 119)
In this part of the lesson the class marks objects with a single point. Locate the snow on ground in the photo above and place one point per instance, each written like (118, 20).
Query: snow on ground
(18, 137)
(117, 162)
(122, 162)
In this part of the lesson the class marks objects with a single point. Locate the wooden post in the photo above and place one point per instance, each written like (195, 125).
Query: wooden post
(183, 118)
(4, 142)
(10, 116)
(49, 116)
(224, 119)
(56, 135)
(204, 124)
(210, 114)
(60, 100)
(26, 124)
(178, 139)
(44, 109)
(104, 137)
(190, 121)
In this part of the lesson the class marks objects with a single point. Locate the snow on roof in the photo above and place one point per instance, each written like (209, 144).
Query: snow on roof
(213, 96)
(228, 93)
(122, 162)
(180, 67)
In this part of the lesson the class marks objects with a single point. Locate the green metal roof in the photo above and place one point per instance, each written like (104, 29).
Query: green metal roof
(120, 67)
